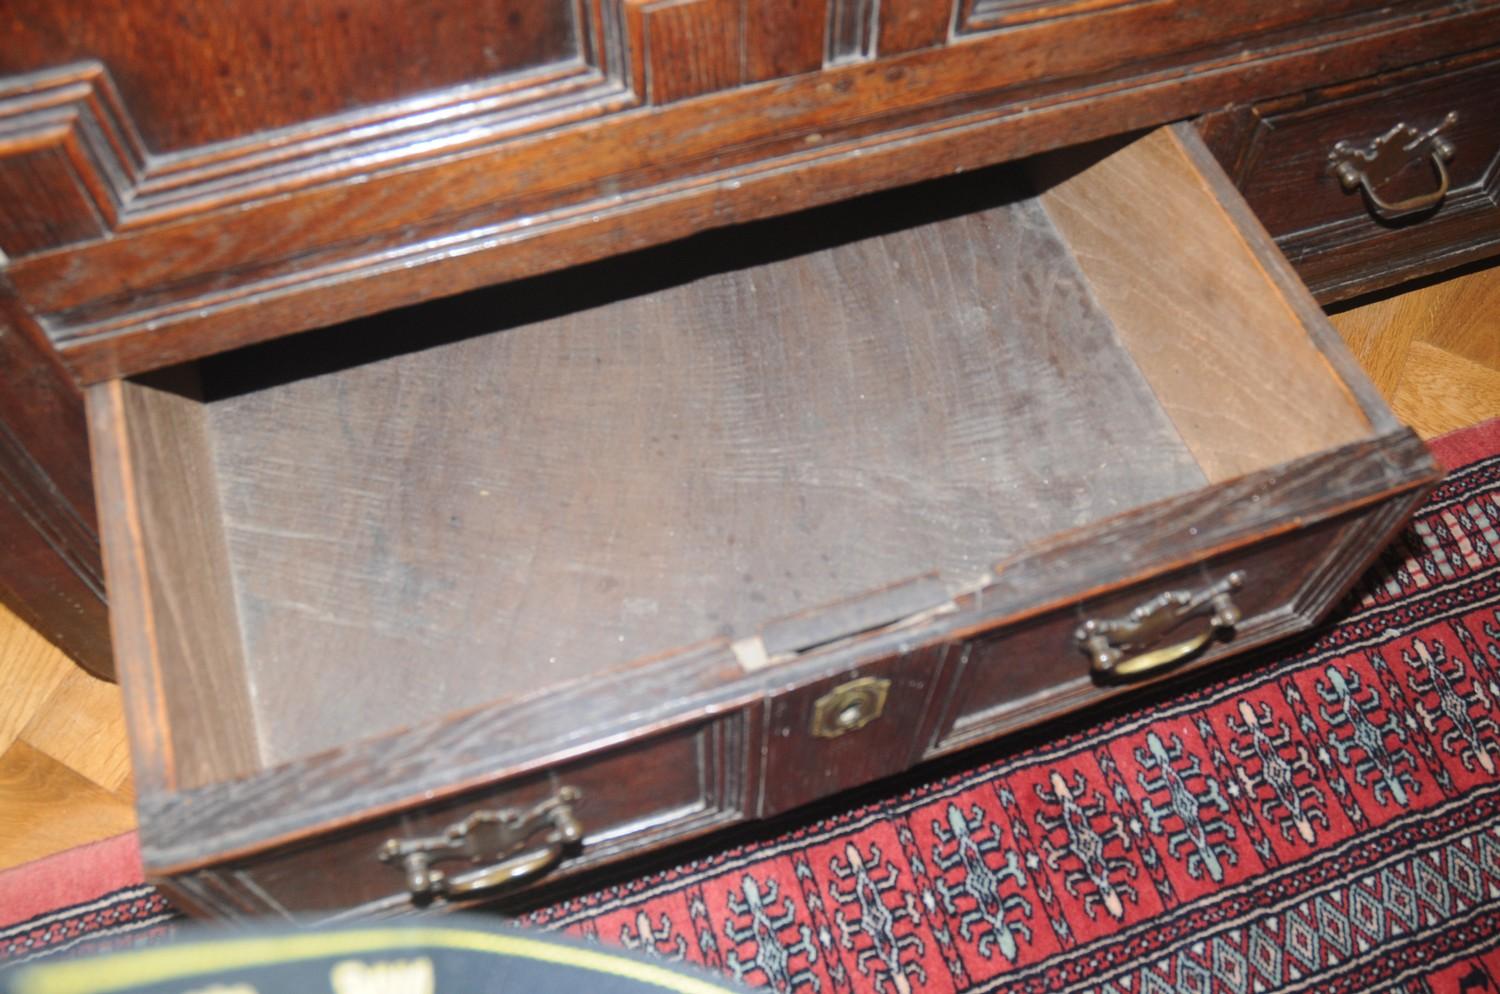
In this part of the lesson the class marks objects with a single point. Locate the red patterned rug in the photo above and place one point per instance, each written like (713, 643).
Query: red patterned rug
(1329, 821)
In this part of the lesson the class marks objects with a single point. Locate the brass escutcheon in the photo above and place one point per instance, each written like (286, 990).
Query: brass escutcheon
(849, 706)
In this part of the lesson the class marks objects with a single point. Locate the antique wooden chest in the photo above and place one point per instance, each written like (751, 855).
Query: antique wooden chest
(180, 179)
(508, 586)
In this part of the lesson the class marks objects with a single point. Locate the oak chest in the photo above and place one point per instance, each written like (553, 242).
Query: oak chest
(505, 587)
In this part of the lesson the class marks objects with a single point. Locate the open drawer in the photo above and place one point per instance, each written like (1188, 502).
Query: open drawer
(699, 535)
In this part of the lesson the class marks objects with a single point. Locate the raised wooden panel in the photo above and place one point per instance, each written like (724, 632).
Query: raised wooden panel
(783, 38)
(68, 158)
(1019, 676)
(984, 15)
(513, 174)
(804, 760)
(1277, 154)
(195, 74)
(686, 47)
(907, 25)
(46, 202)
(670, 786)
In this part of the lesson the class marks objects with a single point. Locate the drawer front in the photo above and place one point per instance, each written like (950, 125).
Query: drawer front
(846, 730)
(1278, 154)
(1022, 674)
(629, 799)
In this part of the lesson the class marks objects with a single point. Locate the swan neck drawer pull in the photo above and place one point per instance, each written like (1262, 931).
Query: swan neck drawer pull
(1109, 642)
(1370, 166)
(488, 835)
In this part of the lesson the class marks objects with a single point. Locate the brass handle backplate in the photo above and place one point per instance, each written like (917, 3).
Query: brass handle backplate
(487, 835)
(1122, 648)
(1370, 166)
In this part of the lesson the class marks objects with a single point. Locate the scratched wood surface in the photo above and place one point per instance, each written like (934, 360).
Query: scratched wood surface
(67, 782)
(779, 430)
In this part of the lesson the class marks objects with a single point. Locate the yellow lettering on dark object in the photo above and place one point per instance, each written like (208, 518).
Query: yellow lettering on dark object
(413, 976)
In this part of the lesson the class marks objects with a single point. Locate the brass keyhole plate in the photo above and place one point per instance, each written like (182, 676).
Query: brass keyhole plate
(849, 706)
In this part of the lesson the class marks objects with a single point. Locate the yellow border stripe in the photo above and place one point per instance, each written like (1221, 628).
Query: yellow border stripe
(199, 959)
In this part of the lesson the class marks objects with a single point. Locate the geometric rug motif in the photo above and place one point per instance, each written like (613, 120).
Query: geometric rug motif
(1326, 822)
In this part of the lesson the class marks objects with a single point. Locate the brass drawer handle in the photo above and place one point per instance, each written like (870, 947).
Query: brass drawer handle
(1368, 167)
(1106, 641)
(487, 835)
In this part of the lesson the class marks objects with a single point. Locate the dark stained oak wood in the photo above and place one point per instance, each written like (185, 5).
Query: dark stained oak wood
(181, 180)
(1276, 152)
(799, 766)
(236, 819)
(674, 785)
(217, 250)
(198, 75)
(50, 569)
(1005, 681)
(892, 406)
(50, 574)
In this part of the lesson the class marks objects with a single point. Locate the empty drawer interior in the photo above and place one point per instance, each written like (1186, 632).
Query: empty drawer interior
(364, 528)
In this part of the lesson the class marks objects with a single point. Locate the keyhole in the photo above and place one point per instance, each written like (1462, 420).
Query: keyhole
(851, 714)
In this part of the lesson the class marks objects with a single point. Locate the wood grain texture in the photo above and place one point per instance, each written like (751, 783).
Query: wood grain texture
(782, 38)
(834, 401)
(786, 424)
(1441, 391)
(244, 263)
(68, 728)
(1011, 678)
(1155, 245)
(675, 785)
(171, 605)
(1462, 316)
(1434, 349)
(464, 751)
(81, 725)
(49, 808)
(1379, 337)
(1279, 274)
(1276, 152)
(47, 203)
(68, 158)
(195, 75)
(908, 25)
(30, 671)
(799, 766)
(50, 569)
(688, 47)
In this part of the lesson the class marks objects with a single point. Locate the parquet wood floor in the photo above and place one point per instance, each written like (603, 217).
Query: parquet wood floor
(1434, 353)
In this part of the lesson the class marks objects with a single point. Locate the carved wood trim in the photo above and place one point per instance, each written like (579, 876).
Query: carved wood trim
(67, 143)
(989, 15)
(69, 158)
(183, 276)
(448, 122)
(233, 820)
(73, 539)
(852, 30)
